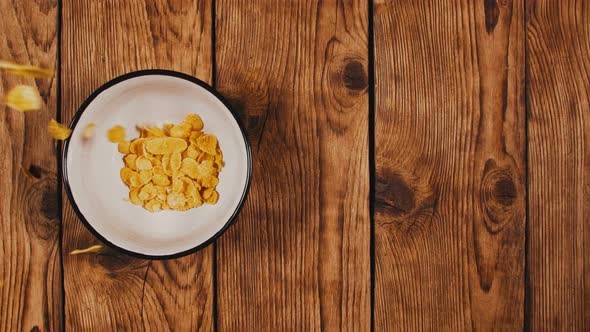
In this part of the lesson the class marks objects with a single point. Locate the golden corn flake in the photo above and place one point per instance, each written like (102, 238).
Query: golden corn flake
(161, 196)
(134, 197)
(207, 143)
(161, 179)
(189, 187)
(213, 199)
(25, 70)
(175, 167)
(155, 132)
(194, 201)
(207, 193)
(166, 167)
(182, 130)
(126, 174)
(192, 152)
(92, 249)
(205, 156)
(195, 121)
(58, 131)
(135, 181)
(153, 205)
(190, 167)
(131, 178)
(206, 168)
(23, 98)
(194, 135)
(130, 160)
(209, 181)
(159, 170)
(176, 200)
(155, 160)
(145, 176)
(137, 146)
(167, 127)
(175, 161)
(165, 145)
(142, 163)
(177, 185)
(116, 134)
(219, 159)
(219, 162)
(147, 192)
(123, 147)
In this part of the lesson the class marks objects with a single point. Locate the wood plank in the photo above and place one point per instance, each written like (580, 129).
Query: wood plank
(558, 101)
(101, 40)
(29, 207)
(450, 206)
(298, 257)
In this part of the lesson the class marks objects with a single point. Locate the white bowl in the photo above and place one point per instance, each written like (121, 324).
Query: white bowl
(91, 168)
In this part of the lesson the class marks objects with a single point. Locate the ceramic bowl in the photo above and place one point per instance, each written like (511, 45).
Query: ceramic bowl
(91, 167)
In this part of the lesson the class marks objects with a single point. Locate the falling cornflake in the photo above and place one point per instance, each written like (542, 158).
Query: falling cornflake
(24, 98)
(25, 70)
(92, 249)
(58, 131)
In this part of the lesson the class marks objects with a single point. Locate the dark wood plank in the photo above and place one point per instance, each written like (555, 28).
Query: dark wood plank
(298, 256)
(558, 101)
(101, 40)
(29, 206)
(450, 165)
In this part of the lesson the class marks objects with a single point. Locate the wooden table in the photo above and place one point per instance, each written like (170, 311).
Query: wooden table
(418, 165)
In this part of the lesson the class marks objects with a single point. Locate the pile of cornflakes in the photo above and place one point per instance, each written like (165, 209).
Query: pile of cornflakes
(171, 168)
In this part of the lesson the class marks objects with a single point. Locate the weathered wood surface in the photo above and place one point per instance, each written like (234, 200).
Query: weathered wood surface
(450, 188)
(558, 102)
(456, 85)
(298, 257)
(102, 40)
(29, 206)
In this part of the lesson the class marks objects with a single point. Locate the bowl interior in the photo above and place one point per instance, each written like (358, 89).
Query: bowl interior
(92, 166)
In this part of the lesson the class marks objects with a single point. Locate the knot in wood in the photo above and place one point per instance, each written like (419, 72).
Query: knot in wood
(492, 12)
(498, 196)
(354, 76)
(394, 196)
(42, 210)
(405, 203)
(347, 80)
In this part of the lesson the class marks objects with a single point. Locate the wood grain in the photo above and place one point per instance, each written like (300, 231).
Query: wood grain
(101, 40)
(558, 100)
(450, 165)
(298, 256)
(29, 206)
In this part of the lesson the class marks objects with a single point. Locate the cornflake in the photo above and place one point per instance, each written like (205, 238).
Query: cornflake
(175, 167)
(91, 249)
(25, 70)
(116, 134)
(23, 98)
(58, 131)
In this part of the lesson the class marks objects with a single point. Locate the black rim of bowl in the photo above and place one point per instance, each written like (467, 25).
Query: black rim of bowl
(157, 72)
